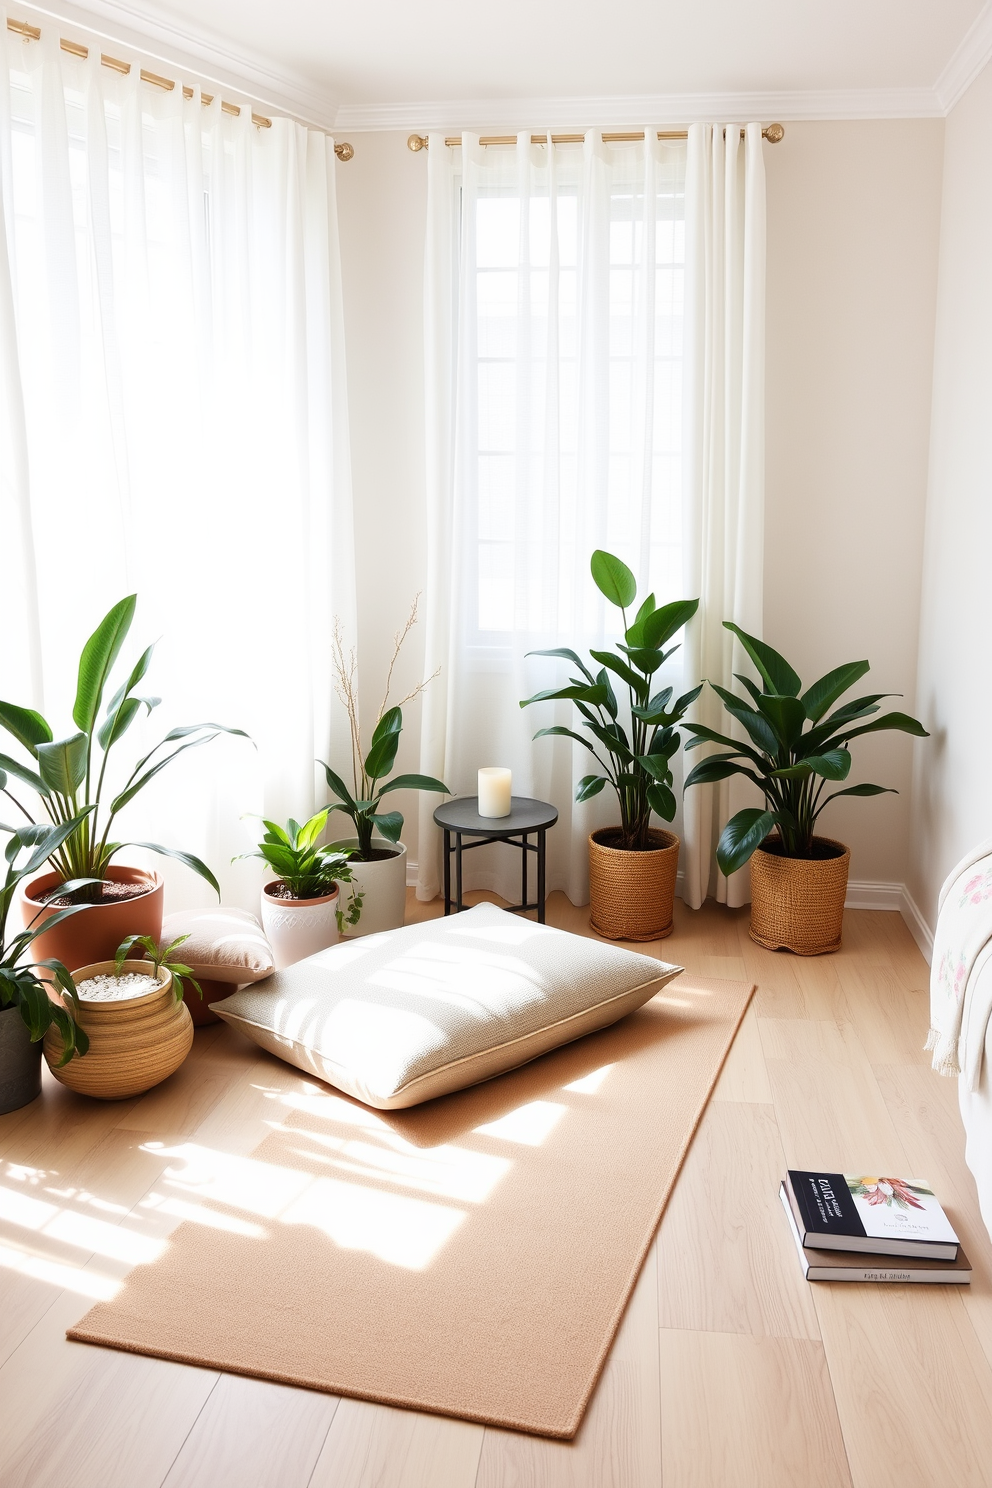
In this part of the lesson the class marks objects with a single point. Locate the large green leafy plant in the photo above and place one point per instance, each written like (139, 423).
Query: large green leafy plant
(22, 982)
(69, 776)
(308, 870)
(797, 749)
(637, 756)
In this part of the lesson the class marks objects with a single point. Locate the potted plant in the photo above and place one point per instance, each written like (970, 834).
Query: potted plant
(301, 907)
(632, 867)
(26, 1009)
(378, 857)
(797, 748)
(139, 1030)
(69, 777)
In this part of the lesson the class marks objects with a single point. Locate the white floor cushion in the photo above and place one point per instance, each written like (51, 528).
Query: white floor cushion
(402, 1017)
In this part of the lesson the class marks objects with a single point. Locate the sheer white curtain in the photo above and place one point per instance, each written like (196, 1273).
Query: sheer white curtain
(724, 457)
(173, 421)
(553, 331)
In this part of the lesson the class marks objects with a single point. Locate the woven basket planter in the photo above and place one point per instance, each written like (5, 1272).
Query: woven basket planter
(134, 1044)
(797, 904)
(632, 894)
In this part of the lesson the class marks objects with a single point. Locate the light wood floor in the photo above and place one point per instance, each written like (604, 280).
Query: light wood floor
(729, 1369)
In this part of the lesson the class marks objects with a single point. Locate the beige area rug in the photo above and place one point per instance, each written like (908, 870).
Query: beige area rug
(471, 1257)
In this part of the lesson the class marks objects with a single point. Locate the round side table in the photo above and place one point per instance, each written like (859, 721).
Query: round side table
(461, 818)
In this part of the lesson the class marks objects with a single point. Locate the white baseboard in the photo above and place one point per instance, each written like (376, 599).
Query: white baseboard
(918, 927)
(872, 894)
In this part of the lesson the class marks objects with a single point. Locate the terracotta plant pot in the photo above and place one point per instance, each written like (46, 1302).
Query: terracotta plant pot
(199, 1009)
(297, 928)
(632, 894)
(20, 1062)
(134, 1044)
(797, 904)
(383, 882)
(95, 932)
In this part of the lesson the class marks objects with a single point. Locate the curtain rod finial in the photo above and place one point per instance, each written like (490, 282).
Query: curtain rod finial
(344, 151)
(417, 142)
(774, 133)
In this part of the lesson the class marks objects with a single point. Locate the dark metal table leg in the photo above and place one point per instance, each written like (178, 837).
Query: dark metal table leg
(459, 906)
(524, 851)
(447, 871)
(542, 837)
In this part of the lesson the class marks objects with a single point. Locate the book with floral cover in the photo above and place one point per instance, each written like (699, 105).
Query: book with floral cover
(872, 1214)
(846, 1265)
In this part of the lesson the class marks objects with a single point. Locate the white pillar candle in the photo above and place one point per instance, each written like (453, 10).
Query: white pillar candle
(494, 792)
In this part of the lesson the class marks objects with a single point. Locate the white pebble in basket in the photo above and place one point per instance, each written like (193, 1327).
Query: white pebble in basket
(116, 989)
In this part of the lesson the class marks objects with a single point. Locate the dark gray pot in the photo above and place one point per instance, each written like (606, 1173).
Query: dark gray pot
(20, 1062)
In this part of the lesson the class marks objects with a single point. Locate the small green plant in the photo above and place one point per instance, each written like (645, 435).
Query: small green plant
(307, 870)
(160, 958)
(362, 802)
(794, 753)
(69, 776)
(22, 984)
(637, 757)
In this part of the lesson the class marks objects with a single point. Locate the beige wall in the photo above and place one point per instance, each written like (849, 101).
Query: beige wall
(853, 215)
(953, 786)
(853, 230)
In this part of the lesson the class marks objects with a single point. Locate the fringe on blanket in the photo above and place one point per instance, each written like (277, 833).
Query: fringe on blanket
(944, 1062)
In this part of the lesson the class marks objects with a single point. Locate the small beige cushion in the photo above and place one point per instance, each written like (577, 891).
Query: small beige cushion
(402, 1017)
(224, 945)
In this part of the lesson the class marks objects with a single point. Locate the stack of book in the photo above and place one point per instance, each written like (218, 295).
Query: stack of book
(849, 1227)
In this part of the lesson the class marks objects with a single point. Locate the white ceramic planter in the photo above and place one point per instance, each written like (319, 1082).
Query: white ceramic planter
(297, 928)
(384, 885)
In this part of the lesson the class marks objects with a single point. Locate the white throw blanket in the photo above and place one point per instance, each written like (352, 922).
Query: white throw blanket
(961, 972)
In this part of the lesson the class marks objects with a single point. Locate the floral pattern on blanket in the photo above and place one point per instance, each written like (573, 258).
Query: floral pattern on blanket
(961, 945)
(977, 889)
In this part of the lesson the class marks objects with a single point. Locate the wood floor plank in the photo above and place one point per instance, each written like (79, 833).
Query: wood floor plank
(744, 1076)
(890, 1016)
(618, 1444)
(924, 1106)
(182, 1102)
(79, 1417)
(912, 1385)
(375, 1446)
(253, 1434)
(743, 1412)
(726, 1260)
(830, 1110)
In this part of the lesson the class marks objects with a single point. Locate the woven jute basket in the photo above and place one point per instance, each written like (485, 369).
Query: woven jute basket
(632, 894)
(134, 1044)
(797, 904)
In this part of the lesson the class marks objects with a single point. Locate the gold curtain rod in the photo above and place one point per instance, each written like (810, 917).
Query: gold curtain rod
(343, 151)
(771, 132)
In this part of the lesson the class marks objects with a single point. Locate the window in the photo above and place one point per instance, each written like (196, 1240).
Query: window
(576, 336)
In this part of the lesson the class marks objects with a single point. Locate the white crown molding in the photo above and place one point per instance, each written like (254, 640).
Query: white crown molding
(150, 31)
(511, 114)
(967, 62)
(205, 56)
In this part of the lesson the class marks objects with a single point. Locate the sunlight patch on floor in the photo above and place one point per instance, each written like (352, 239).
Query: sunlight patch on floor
(397, 1228)
(528, 1125)
(589, 1084)
(65, 1278)
(82, 1231)
(452, 1172)
(198, 1214)
(400, 1230)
